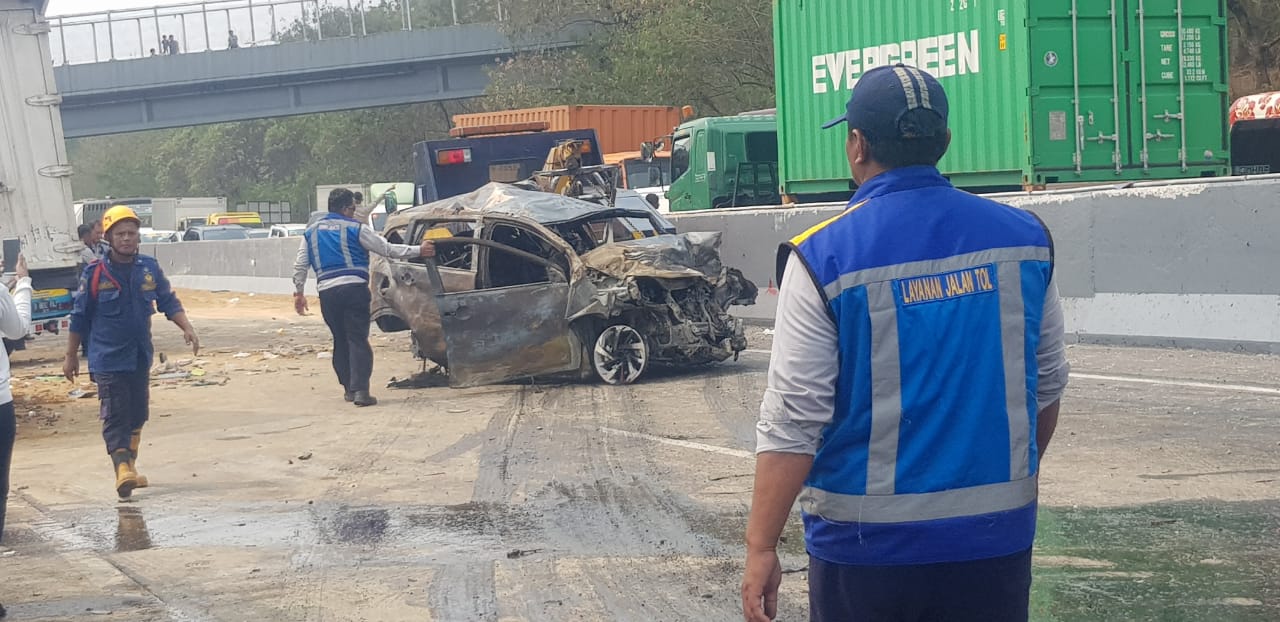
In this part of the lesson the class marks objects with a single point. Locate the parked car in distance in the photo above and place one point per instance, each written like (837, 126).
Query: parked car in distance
(287, 231)
(258, 233)
(215, 232)
(158, 236)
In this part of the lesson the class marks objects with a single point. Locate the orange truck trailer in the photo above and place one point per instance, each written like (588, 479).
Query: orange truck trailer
(620, 130)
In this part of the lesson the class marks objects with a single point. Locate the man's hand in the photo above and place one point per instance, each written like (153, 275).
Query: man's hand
(189, 334)
(71, 366)
(760, 586)
(20, 268)
(428, 249)
(300, 303)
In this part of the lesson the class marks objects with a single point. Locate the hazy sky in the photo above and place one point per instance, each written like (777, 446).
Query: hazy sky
(71, 7)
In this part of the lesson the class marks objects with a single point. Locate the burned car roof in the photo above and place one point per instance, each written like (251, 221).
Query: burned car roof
(510, 200)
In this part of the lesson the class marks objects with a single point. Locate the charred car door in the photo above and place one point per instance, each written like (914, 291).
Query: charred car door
(514, 324)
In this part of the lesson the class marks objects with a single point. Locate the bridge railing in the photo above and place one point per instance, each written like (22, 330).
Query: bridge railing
(226, 24)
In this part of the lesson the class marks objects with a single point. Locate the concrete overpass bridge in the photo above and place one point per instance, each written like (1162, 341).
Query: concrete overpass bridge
(327, 59)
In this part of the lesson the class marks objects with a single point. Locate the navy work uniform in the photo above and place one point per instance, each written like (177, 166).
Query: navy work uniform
(112, 313)
(919, 334)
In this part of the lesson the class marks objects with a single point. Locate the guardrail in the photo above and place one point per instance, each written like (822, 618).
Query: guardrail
(228, 24)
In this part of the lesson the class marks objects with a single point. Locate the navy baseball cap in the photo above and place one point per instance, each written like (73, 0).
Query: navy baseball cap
(882, 96)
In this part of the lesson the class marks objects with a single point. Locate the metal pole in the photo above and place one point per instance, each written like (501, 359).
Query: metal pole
(204, 15)
(453, 5)
(142, 53)
(499, 2)
(271, 11)
(253, 30)
(229, 28)
(111, 36)
(1142, 73)
(1182, 89)
(319, 23)
(94, 27)
(351, 20)
(155, 15)
(302, 22)
(1115, 83)
(364, 29)
(62, 38)
(1075, 68)
(183, 17)
(408, 11)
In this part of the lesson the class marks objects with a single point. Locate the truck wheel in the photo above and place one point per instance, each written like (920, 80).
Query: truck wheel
(620, 355)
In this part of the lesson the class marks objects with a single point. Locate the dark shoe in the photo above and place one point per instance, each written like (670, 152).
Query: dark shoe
(350, 396)
(362, 398)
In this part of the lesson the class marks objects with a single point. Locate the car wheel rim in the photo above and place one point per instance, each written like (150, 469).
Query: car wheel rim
(620, 355)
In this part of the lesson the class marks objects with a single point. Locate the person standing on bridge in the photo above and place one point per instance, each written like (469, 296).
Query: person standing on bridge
(337, 248)
(233, 41)
(118, 294)
(914, 386)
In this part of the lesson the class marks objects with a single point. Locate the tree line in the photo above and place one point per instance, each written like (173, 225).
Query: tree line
(716, 55)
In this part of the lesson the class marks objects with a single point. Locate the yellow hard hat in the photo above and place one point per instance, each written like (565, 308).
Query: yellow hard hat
(117, 214)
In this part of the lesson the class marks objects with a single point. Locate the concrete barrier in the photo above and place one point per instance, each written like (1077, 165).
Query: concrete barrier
(1182, 264)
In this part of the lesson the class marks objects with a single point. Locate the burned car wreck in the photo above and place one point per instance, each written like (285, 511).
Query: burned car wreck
(532, 284)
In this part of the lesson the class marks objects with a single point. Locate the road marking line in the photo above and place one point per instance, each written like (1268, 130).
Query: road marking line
(1243, 388)
(715, 449)
(1181, 383)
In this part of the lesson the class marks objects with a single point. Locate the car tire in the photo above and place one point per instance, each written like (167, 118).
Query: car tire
(619, 355)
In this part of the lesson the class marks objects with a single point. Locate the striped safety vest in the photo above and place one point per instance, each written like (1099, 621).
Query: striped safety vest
(937, 298)
(333, 244)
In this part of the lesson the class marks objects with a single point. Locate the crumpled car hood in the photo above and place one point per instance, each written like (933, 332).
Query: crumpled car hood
(685, 255)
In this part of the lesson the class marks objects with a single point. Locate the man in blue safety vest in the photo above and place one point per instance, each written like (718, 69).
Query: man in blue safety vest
(917, 365)
(337, 246)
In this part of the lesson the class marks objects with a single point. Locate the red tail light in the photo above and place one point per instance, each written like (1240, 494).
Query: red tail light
(445, 157)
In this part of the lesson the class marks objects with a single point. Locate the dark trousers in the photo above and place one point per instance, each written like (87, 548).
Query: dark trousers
(125, 405)
(8, 431)
(988, 590)
(346, 310)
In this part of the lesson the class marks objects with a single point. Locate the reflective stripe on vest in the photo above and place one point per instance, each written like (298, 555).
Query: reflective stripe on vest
(909, 508)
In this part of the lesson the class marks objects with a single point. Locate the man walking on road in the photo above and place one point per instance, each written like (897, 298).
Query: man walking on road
(337, 248)
(118, 295)
(917, 365)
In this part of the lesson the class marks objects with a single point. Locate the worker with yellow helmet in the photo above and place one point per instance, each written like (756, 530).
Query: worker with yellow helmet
(118, 294)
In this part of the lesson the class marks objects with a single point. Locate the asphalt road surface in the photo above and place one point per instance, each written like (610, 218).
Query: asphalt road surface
(272, 499)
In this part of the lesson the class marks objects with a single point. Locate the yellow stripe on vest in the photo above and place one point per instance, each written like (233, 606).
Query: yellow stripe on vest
(800, 239)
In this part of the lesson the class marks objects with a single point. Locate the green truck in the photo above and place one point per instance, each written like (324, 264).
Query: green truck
(721, 162)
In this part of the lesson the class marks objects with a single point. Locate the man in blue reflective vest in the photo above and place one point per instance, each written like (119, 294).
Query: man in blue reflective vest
(337, 246)
(917, 365)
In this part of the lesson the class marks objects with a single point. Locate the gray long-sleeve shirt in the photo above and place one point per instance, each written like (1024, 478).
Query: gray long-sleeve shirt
(799, 400)
(371, 242)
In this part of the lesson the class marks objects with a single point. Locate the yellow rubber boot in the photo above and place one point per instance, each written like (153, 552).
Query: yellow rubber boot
(134, 442)
(126, 477)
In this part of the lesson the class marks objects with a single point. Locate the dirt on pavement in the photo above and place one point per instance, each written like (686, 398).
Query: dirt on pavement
(272, 499)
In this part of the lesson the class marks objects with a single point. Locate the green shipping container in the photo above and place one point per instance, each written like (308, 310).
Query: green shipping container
(1055, 91)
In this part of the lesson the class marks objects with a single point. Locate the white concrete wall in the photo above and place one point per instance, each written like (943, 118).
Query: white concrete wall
(1178, 264)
